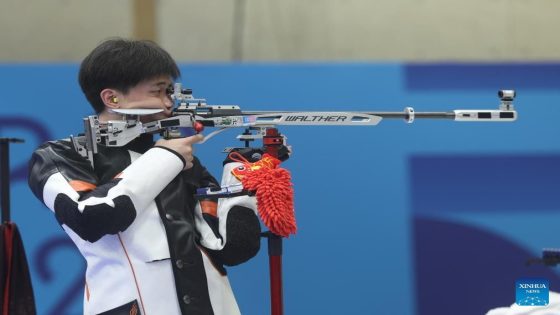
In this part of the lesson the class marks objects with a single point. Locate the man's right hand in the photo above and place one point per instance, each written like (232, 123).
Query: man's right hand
(182, 146)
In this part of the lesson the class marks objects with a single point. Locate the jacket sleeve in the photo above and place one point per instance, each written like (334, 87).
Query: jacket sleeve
(67, 185)
(230, 229)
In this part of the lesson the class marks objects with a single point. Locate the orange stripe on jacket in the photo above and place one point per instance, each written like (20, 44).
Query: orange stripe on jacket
(80, 185)
(133, 274)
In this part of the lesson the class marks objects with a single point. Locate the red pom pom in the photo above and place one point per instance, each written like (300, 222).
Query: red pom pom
(274, 192)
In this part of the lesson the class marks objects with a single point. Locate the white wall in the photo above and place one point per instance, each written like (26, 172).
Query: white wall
(291, 30)
(59, 30)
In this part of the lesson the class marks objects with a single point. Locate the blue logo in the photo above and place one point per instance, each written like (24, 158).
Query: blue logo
(531, 291)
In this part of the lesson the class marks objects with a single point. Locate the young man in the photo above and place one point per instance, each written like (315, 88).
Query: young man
(150, 246)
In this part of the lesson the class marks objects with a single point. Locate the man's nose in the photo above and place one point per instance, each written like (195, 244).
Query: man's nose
(167, 102)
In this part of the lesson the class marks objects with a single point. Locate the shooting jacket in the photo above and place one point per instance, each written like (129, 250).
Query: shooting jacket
(150, 246)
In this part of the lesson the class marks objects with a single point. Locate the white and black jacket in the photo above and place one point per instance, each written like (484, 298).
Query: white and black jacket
(149, 246)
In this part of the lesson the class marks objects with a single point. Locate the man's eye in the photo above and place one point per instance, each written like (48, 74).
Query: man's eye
(169, 90)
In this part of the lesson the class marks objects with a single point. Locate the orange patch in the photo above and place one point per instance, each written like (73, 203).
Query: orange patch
(210, 207)
(80, 185)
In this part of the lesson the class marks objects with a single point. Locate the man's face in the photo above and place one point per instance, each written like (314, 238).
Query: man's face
(150, 93)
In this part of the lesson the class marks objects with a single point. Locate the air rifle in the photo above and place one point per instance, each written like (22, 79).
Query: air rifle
(190, 112)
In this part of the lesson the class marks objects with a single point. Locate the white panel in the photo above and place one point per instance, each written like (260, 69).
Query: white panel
(533, 26)
(59, 30)
(371, 30)
(196, 29)
(292, 30)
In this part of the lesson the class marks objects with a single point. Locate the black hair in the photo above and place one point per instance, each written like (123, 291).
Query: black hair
(121, 64)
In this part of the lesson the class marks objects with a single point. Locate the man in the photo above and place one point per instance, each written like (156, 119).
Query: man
(150, 247)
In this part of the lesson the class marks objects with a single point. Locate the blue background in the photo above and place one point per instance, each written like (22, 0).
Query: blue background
(436, 217)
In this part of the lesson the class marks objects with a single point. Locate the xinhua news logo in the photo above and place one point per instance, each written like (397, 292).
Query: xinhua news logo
(531, 291)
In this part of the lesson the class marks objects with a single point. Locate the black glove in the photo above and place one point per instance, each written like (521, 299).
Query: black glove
(243, 237)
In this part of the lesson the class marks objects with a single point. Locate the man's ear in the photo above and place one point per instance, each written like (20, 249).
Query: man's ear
(111, 98)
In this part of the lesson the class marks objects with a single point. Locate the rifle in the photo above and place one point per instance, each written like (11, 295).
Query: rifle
(195, 113)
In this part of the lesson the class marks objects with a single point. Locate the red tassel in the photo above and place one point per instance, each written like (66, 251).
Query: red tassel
(274, 192)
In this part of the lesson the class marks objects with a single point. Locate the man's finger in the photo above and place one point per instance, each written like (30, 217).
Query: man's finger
(194, 139)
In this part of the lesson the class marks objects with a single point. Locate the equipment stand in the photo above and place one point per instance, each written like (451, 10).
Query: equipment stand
(272, 142)
(5, 176)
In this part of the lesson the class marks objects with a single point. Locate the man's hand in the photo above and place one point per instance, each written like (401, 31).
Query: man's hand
(182, 146)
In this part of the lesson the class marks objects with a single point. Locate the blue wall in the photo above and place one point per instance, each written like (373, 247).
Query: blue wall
(436, 217)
